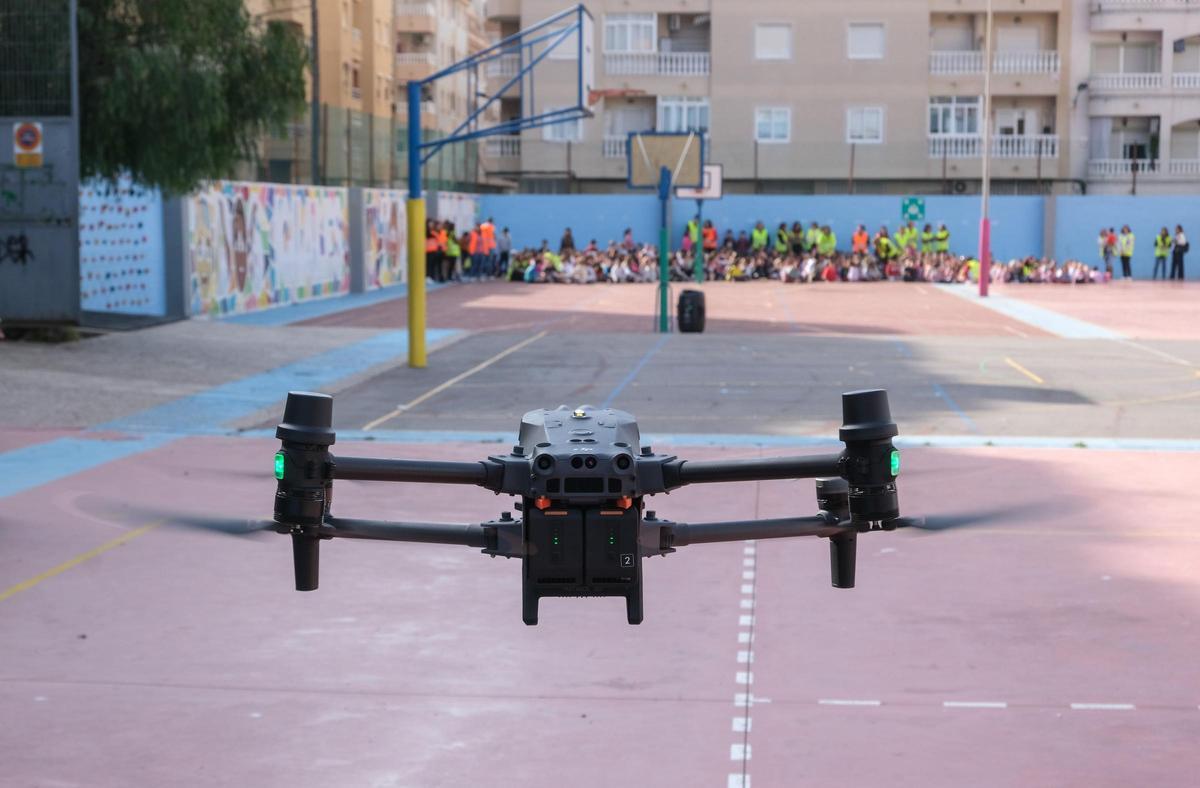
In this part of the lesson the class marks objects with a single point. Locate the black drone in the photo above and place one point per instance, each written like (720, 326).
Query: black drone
(582, 476)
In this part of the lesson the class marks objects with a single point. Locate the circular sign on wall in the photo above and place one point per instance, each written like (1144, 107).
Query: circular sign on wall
(27, 144)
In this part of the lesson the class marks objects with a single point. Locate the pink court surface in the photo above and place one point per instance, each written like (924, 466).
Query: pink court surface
(1051, 642)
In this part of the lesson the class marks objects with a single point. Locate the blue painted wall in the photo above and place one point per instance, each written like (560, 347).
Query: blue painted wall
(1016, 221)
(1078, 221)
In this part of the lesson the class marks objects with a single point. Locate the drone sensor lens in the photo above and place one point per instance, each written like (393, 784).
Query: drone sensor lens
(590, 462)
(545, 462)
(622, 462)
(576, 462)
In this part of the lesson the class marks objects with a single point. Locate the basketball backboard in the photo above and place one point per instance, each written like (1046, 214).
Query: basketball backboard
(648, 152)
(711, 189)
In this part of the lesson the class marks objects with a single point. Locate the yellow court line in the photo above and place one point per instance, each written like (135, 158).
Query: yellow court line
(452, 381)
(76, 561)
(1024, 371)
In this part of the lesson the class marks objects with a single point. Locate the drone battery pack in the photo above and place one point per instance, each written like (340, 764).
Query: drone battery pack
(573, 551)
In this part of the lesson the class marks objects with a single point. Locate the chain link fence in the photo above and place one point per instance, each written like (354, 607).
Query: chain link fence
(35, 58)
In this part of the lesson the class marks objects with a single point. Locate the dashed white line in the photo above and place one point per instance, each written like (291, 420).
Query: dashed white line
(742, 724)
(747, 604)
(748, 574)
(1103, 706)
(745, 657)
(745, 621)
(847, 702)
(739, 752)
(748, 588)
(745, 637)
(974, 704)
(738, 781)
(744, 677)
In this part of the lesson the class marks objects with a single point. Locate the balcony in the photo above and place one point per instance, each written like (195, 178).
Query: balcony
(613, 146)
(1151, 80)
(664, 64)
(1126, 6)
(1004, 146)
(971, 62)
(504, 66)
(414, 65)
(503, 147)
(1120, 168)
(416, 17)
(1189, 168)
(1185, 80)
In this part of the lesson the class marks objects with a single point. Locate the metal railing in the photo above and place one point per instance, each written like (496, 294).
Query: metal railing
(673, 64)
(1100, 6)
(1189, 167)
(504, 66)
(1186, 80)
(1004, 146)
(1120, 168)
(613, 146)
(970, 61)
(503, 147)
(415, 58)
(415, 9)
(1151, 80)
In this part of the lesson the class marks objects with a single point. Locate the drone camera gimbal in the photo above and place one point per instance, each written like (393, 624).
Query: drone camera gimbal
(582, 476)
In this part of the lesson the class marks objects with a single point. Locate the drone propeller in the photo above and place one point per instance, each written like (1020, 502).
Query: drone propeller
(243, 527)
(949, 521)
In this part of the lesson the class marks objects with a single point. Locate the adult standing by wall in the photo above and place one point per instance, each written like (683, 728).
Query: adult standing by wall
(504, 247)
(1180, 249)
(1125, 250)
(1162, 245)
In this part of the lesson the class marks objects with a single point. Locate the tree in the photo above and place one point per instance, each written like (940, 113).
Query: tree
(174, 92)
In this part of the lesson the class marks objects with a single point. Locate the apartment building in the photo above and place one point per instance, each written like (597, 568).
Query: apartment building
(369, 50)
(826, 96)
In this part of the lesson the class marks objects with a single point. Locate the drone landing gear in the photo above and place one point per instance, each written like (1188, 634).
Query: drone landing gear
(530, 597)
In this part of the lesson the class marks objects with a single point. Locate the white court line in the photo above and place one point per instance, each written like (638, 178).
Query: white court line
(1016, 331)
(748, 574)
(842, 702)
(748, 562)
(747, 588)
(742, 724)
(745, 637)
(1156, 352)
(745, 621)
(747, 604)
(739, 752)
(1103, 706)
(738, 781)
(744, 677)
(974, 704)
(745, 657)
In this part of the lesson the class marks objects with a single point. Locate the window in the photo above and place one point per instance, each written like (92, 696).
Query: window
(773, 42)
(682, 113)
(772, 124)
(630, 32)
(864, 125)
(864, 41)
(565, 131)
(954, 116)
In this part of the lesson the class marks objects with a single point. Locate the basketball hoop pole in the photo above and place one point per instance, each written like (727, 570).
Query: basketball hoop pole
(699, 267)
(664, 248)
(416, 233)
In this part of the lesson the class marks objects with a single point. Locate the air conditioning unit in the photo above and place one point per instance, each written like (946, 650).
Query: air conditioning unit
(674, 23)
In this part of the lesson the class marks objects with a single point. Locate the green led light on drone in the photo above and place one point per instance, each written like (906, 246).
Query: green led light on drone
(279, 465)
(895, 462)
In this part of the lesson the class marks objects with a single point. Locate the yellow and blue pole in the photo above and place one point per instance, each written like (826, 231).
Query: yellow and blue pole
(416, 233)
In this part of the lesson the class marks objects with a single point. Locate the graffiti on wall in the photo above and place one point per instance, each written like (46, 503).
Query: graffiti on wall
(385, 234)
(255, 245)
(121, 265)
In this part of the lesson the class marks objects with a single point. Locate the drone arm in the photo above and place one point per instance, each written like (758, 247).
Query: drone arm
(377, 470)
(677, 473)
(683, 534)
(470, 535)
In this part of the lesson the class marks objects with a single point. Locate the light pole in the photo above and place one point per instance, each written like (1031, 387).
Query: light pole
(985, 225)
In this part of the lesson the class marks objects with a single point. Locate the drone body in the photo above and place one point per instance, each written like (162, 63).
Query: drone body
(582, 476)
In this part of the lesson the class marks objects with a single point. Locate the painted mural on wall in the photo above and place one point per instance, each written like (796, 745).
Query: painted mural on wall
(462, 209)
(121, 263)
(256, 245)
(385, 235)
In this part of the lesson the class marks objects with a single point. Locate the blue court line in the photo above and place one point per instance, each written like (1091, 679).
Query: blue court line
(776, 441)
(30, 466)
(1036, 316)
(962, 414)
(211, 408)
(307, 310)
(204, 413)
(612, 395)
